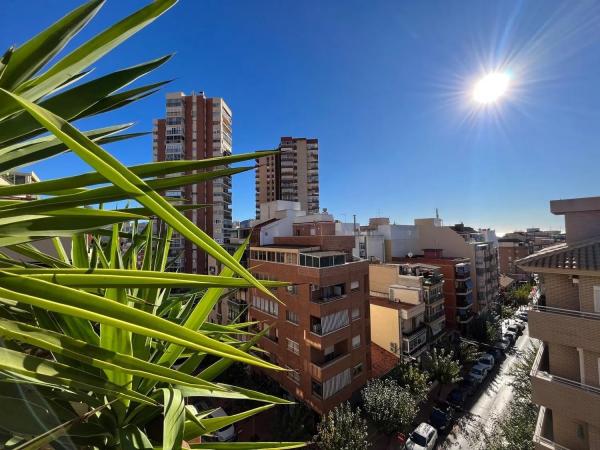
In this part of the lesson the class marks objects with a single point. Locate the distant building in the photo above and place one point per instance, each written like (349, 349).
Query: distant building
(480, 246)
(407, 307)
(458, 286)
(291, 175)
(565, 377)
(197, 127)
(321, 331)
(509, 251)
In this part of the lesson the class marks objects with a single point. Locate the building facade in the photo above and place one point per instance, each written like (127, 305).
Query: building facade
(479, 246)
(458, 287)
(509, 251)
(407, 307)
(565, 376)
(291, 175)
(321, 331)
(197, 127)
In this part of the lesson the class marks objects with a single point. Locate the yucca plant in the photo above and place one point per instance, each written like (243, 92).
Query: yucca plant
(97, 350)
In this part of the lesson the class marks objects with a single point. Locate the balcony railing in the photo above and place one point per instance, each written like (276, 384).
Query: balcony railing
(435, 316)
(566, 312)
(540, 373)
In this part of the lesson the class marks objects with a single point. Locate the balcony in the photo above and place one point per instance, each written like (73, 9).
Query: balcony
(572, 398)
(431, 318)
(464, 317)
(320, 362)
(413, 341)
(432, 300)
(432, 280)
(542, 435)
(565, 326)
(329, 294)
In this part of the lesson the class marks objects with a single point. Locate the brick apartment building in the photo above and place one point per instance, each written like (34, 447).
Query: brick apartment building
(197, 127)
(457, 288)
(509, 251)
(566, 373)
(321, 332)
(291, 175)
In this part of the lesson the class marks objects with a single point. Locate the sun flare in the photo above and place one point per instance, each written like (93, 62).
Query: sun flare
(491, 87)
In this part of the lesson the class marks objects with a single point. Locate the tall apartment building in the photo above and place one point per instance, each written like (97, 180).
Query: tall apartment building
(479, 246)
(458, 287)
(321, 332)
(565, 376)
(407, 307)
(291, 175)
(197, 127)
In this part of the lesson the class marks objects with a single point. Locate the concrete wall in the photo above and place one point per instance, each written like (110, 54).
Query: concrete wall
(385, 328)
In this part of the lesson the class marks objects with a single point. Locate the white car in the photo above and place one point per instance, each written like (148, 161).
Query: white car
(225, 434)
(519, 323)
(486, 361)
(424, 437)
(478, 373)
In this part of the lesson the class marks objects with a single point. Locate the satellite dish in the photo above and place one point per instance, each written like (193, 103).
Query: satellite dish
(410, 254)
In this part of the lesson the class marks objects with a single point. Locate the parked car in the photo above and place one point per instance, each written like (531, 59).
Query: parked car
(457, 397)
(498, 354)
(514, 328)
(487, 361)
(467, 386)
(519, 323)
(512, 337)
(440, 417)
(502, 344)
(225, 434)
(523, 316)
(477, 373)
(424, 437)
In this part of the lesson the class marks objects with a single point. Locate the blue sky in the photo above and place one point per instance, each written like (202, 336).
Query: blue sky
(385, 87)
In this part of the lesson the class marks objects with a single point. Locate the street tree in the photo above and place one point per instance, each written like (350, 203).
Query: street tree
(390, 407)
(411, 378)
(342, 428)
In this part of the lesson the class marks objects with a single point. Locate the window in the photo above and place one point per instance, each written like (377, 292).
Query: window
(293, 346)
(292, 317)
(293, 374)
(355, 313)
(354, 285)
(268, 306)
(356, 341)
(357, 370)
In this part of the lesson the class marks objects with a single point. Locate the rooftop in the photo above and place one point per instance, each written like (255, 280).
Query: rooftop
(583, 255)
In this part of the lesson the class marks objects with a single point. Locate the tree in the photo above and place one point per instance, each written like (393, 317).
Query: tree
(342, 429)
(391, 408)
(442, 367)
(485, 329)
(96, 348)
(411, 378)
(520, 296)
(468, 353)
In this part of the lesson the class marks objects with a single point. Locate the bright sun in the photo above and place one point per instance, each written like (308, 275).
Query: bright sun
(491, 87)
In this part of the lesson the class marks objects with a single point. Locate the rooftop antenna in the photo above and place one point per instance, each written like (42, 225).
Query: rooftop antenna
(437, 215)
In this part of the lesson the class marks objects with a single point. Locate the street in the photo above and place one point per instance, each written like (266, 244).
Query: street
(488, 402)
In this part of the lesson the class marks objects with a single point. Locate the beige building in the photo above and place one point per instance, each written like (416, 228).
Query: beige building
(407, 307)
(292, 175)
(566, 373)
(479, 246)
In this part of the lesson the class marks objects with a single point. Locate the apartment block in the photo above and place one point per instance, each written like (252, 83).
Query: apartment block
(197, 127)
(457, 287)
(321, 331)
(509, 251)
(479, 246)
(566, 319)
(407, 307)
(380, 240)
(16, 177)
(291, 175)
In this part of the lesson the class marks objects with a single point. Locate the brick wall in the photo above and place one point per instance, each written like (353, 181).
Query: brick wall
(560, 291)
